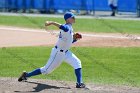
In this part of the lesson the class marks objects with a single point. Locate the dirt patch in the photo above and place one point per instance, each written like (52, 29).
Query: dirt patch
(13, 36)
(11, 85)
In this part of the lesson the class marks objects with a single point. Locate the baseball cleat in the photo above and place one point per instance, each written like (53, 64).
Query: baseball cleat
(22, 77)
(82, 85)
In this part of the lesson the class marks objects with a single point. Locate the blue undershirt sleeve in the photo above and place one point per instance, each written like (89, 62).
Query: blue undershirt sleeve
(64, 28)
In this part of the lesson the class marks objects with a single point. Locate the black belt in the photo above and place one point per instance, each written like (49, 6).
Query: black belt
(61, 49)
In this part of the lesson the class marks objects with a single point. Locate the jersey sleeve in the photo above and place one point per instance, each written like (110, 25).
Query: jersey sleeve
(65, 28)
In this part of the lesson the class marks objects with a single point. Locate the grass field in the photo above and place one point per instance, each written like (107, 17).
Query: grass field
(100, 65)
(118, 66)
(85, 25)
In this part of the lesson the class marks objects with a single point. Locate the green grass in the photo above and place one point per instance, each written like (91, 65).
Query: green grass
(118, 66)
(84, 25)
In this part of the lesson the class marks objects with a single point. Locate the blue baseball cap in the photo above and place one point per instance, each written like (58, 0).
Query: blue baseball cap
(68, 15)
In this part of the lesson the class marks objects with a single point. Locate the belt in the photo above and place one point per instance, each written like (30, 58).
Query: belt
(61, 50)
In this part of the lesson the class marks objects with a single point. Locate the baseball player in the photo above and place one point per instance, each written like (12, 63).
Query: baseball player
(61, 51)
(113, 6)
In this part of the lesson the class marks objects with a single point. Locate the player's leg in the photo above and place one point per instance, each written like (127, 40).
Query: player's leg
(112, 8)
(35, 72)
(54, 61)
(76, 64)
(25, 74)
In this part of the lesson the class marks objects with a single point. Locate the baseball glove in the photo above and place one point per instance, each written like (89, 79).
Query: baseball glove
(77, 36)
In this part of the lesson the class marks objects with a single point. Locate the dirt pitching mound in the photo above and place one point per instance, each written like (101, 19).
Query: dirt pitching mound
(11, 85)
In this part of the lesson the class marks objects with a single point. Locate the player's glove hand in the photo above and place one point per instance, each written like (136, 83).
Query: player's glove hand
(77, 36)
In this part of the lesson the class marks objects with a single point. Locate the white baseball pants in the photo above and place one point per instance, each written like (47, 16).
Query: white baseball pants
(57, 57)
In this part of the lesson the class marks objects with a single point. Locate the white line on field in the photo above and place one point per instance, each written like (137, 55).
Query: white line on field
(104, 36)
(44, 31)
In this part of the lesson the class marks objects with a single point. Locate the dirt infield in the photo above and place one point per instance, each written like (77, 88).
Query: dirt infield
(11, 85)
(13, 37)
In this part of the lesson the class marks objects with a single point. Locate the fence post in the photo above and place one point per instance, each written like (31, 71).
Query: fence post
(138, 8)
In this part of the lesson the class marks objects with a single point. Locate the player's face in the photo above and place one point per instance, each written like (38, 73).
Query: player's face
(71, 20)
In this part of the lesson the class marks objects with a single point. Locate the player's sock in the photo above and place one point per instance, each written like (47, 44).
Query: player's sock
(78, 74)
(33, 73)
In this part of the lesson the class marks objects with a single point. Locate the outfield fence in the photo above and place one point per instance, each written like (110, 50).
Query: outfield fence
(92, 5)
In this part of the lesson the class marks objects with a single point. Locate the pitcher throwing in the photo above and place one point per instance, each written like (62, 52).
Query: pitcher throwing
(61, 51)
